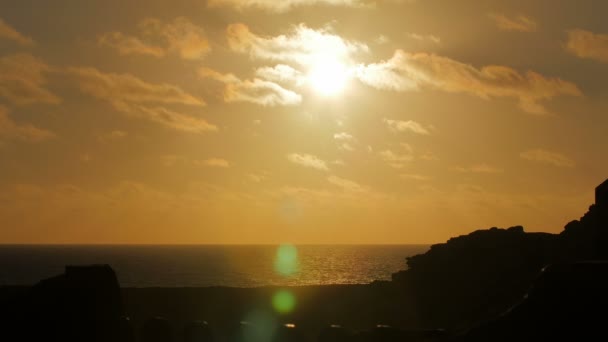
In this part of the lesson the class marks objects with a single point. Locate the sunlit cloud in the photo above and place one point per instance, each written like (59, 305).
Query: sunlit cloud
(258, 91)
(346, 141)
(157, 38)
(11, 130)
(129, 45)
(424, 37)
(114, 135)
(415, 177)
(398, 159)
(307, 160)
(284, 5)
(281, 73)
(10, 33)
(23, 81)
(406, 126)
(140, 99)
(520, 23)
(345, 184)
(547, 157)
(586, 44)
(302, 45)
(408, 72)
(216, 162)
(478, 168)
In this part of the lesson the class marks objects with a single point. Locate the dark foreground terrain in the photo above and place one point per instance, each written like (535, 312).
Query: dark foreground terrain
(490, 285)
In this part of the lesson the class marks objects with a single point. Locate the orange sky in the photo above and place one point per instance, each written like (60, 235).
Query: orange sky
(302, 121)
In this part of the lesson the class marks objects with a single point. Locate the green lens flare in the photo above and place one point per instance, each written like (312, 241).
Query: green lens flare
(283, 301)
(286, 261)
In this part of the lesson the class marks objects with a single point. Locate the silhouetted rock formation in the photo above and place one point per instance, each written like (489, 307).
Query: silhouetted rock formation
(83, 304)
(566, 302)
(478, 275)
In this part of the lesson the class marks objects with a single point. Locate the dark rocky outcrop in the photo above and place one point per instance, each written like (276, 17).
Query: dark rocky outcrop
(476, 276)
(83, 304)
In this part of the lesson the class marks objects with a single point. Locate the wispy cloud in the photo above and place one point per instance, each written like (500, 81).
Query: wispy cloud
(10, 130)
(399, 158)
(258, 91)
(345, 184)
(406, 126)
(547, 157)
(308, 160)
(586, 44)
(157, 38)
(216, 162)
(137, 98)
(22, 80)
(10, 33)
(424, 37)
(301, 45)
(346, 141)
(411, 71)
(415, 176)
(284, 5)
(520, 23)
(479, 168)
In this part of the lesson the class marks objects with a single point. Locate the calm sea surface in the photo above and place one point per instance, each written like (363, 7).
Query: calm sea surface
(237, 266)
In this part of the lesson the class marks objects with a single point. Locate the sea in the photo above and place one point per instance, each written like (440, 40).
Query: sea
(211, 265)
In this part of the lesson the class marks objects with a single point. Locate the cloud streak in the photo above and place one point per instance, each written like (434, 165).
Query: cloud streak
(157, 38)
(10, 130)
(257, 91)
(10, 33)
(413, 71)
(137, 98)
(301, 45)
(586, 44)
(23, 80)
(547, 157)
(520, 23)
(308, 160)
(406, 126)
(283, 5)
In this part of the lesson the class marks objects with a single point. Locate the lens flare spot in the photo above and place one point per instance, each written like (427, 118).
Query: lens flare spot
(283, 301)
(286, 260)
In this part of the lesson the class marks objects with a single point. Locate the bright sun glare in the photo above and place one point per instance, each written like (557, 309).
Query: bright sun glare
(328, 76)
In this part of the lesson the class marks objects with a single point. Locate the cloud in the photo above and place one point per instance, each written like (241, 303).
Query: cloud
(113, 136)
(307, 160)
(10, 130)
(345, 184)
(520, 23)
(424, 37)
(398, 159)
(283, 5)
(586, 44)
(280, 73)
(216, 162)
(346, 141)
(414, 176)
(406, 126)
(302, 45)
(547, 157)
(258, 91)
(129, 45)
(157, 38)
(140, 99)
(22, 80)
(412, 71)
(479, 168)
(10, 33)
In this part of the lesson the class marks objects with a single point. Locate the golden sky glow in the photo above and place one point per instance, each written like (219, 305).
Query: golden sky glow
(299, 121)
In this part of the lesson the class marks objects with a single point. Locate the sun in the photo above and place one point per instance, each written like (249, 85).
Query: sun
(328, 76)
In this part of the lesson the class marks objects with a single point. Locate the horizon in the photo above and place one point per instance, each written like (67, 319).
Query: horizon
(257, 122)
